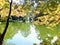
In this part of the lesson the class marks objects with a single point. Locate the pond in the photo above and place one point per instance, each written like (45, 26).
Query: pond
(28, 34)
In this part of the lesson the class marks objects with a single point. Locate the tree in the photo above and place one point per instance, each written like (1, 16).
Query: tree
(7, 23)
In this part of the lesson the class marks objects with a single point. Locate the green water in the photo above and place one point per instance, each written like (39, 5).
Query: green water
(27, 34)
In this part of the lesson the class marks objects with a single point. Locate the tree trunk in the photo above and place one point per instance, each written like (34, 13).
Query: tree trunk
(7, 23)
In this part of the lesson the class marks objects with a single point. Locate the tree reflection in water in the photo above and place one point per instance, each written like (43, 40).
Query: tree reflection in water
(48, 41)
(30, 33)
(20, 39)
(49, 37)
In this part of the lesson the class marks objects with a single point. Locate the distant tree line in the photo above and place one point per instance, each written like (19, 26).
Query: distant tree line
(23, 18)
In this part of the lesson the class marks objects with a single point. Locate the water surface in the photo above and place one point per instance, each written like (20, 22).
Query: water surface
(28, 34)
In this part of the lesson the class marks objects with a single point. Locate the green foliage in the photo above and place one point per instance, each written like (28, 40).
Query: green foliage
(14, 28)
(43, 31)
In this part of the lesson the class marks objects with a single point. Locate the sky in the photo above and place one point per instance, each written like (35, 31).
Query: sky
(22, 2)
(17, 1)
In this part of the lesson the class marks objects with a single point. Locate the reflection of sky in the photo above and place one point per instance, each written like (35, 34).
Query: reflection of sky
(54, 39)
(18, 39)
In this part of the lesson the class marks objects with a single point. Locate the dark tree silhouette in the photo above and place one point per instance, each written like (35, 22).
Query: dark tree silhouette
(7, 23)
